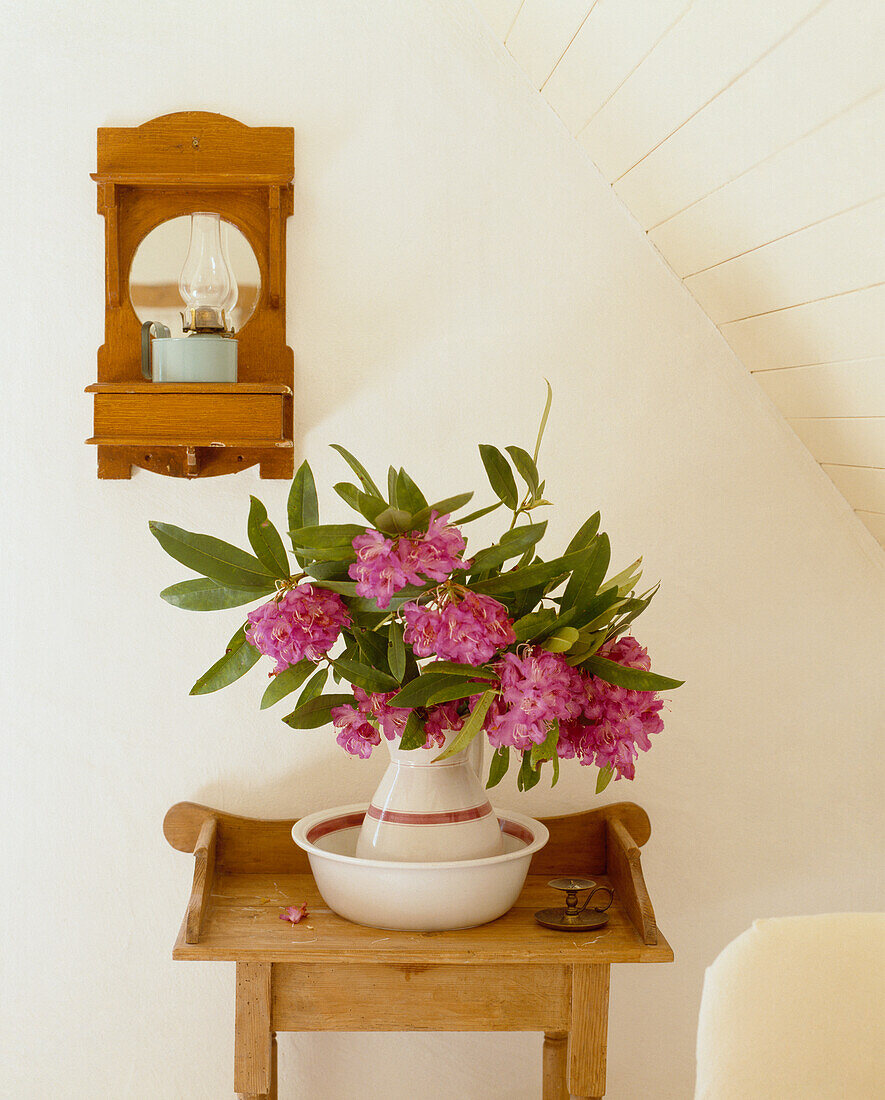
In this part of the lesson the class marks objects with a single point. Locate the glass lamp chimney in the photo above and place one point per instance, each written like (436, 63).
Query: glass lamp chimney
(206, 283)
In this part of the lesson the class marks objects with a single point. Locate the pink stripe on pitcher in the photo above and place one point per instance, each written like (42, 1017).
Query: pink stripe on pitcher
(446, 817)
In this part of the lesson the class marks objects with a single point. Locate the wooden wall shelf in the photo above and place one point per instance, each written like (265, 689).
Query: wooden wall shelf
(168, 167)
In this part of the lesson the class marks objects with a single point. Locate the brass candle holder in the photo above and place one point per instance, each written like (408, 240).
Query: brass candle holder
(571, 918)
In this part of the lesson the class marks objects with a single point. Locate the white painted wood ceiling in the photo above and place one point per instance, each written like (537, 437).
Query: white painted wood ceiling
(746, 137)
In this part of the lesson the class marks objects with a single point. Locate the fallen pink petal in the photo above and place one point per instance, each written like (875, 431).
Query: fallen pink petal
(294, 913)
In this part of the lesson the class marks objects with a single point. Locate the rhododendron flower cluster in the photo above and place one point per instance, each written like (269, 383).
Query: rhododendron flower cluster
(358, 735)
(304, 622)
(599, 723)
(383, 566)
(616, 722)
(470, 629)
(536, 688)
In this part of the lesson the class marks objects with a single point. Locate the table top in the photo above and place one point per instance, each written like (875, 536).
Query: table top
(242, 922)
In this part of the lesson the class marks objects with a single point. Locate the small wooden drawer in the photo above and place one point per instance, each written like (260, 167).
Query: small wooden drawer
(190, 415)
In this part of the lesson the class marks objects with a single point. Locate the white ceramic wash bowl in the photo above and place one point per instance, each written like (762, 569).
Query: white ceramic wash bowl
(416, 897)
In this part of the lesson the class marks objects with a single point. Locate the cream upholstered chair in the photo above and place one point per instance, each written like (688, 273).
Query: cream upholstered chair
(795, 1008)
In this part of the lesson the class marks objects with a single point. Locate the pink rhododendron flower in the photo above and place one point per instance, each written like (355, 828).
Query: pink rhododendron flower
(536, 688)
(378, 569)
(441, 720)
(435, 553)
(303, 622)
(392, 720)
(294, 913)
(356, 733)
(470, 630)
(615, 722)
(422, 627)
(384, 566)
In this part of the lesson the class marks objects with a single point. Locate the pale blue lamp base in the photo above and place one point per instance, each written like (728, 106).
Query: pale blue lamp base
(194, 358)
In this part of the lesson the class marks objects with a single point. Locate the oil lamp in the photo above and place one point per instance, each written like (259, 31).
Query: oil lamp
(207, 352)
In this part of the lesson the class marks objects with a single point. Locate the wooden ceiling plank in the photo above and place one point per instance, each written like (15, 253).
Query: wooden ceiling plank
(542, 33)
(835, 168)
(841, 254)
(863, 487)
(844, 441)
(713, 45)
(874, 523)
(831, 62)
(615, 38)
(829, 389)
(851, 326)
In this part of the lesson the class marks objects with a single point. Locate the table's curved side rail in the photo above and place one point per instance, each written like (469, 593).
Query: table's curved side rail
(605, 840)
(247, 845)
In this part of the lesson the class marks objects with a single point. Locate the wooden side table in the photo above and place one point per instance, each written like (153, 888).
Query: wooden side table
(326, 974)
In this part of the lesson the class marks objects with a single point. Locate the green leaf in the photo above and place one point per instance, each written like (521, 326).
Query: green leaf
(604, 778)
(633, 678)
(442, 508)
(363, 503)
(414, 735)
(588, 575)
(626, 579)
(396, 651)
(326, 535)
(373, 647)
(359, 469)
(455, 689)
(408, 495)
(302, 506)
(265, 540)
(533, 624)
(500, 475)
(600, 609)
(284, 683)
(540, 573)
(211, 557)
(453, 668)
(471, 727)
(364, 676)
(417, 692)
(238, 658)
(546, 750)
(544, 416)
(585, 535)
(316, 712)
(528, 776)
(326, 571)
(480, 513)
(561, 641)
(498, 766)
(528, 471)
(394, 521)
(555, 778)
(204, 594)
(392, 473)
(314, 686)
(511, 545)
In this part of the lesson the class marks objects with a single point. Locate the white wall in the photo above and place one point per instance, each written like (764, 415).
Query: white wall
(451, 245)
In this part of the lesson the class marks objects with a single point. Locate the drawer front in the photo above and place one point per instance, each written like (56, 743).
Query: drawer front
(381, 997)
(184, 417)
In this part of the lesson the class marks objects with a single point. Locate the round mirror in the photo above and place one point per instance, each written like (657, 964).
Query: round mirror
(157, 268)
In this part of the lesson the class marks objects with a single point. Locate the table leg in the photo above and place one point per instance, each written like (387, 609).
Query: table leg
(555, 1065)
(254, 1046)
(588, 1032)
